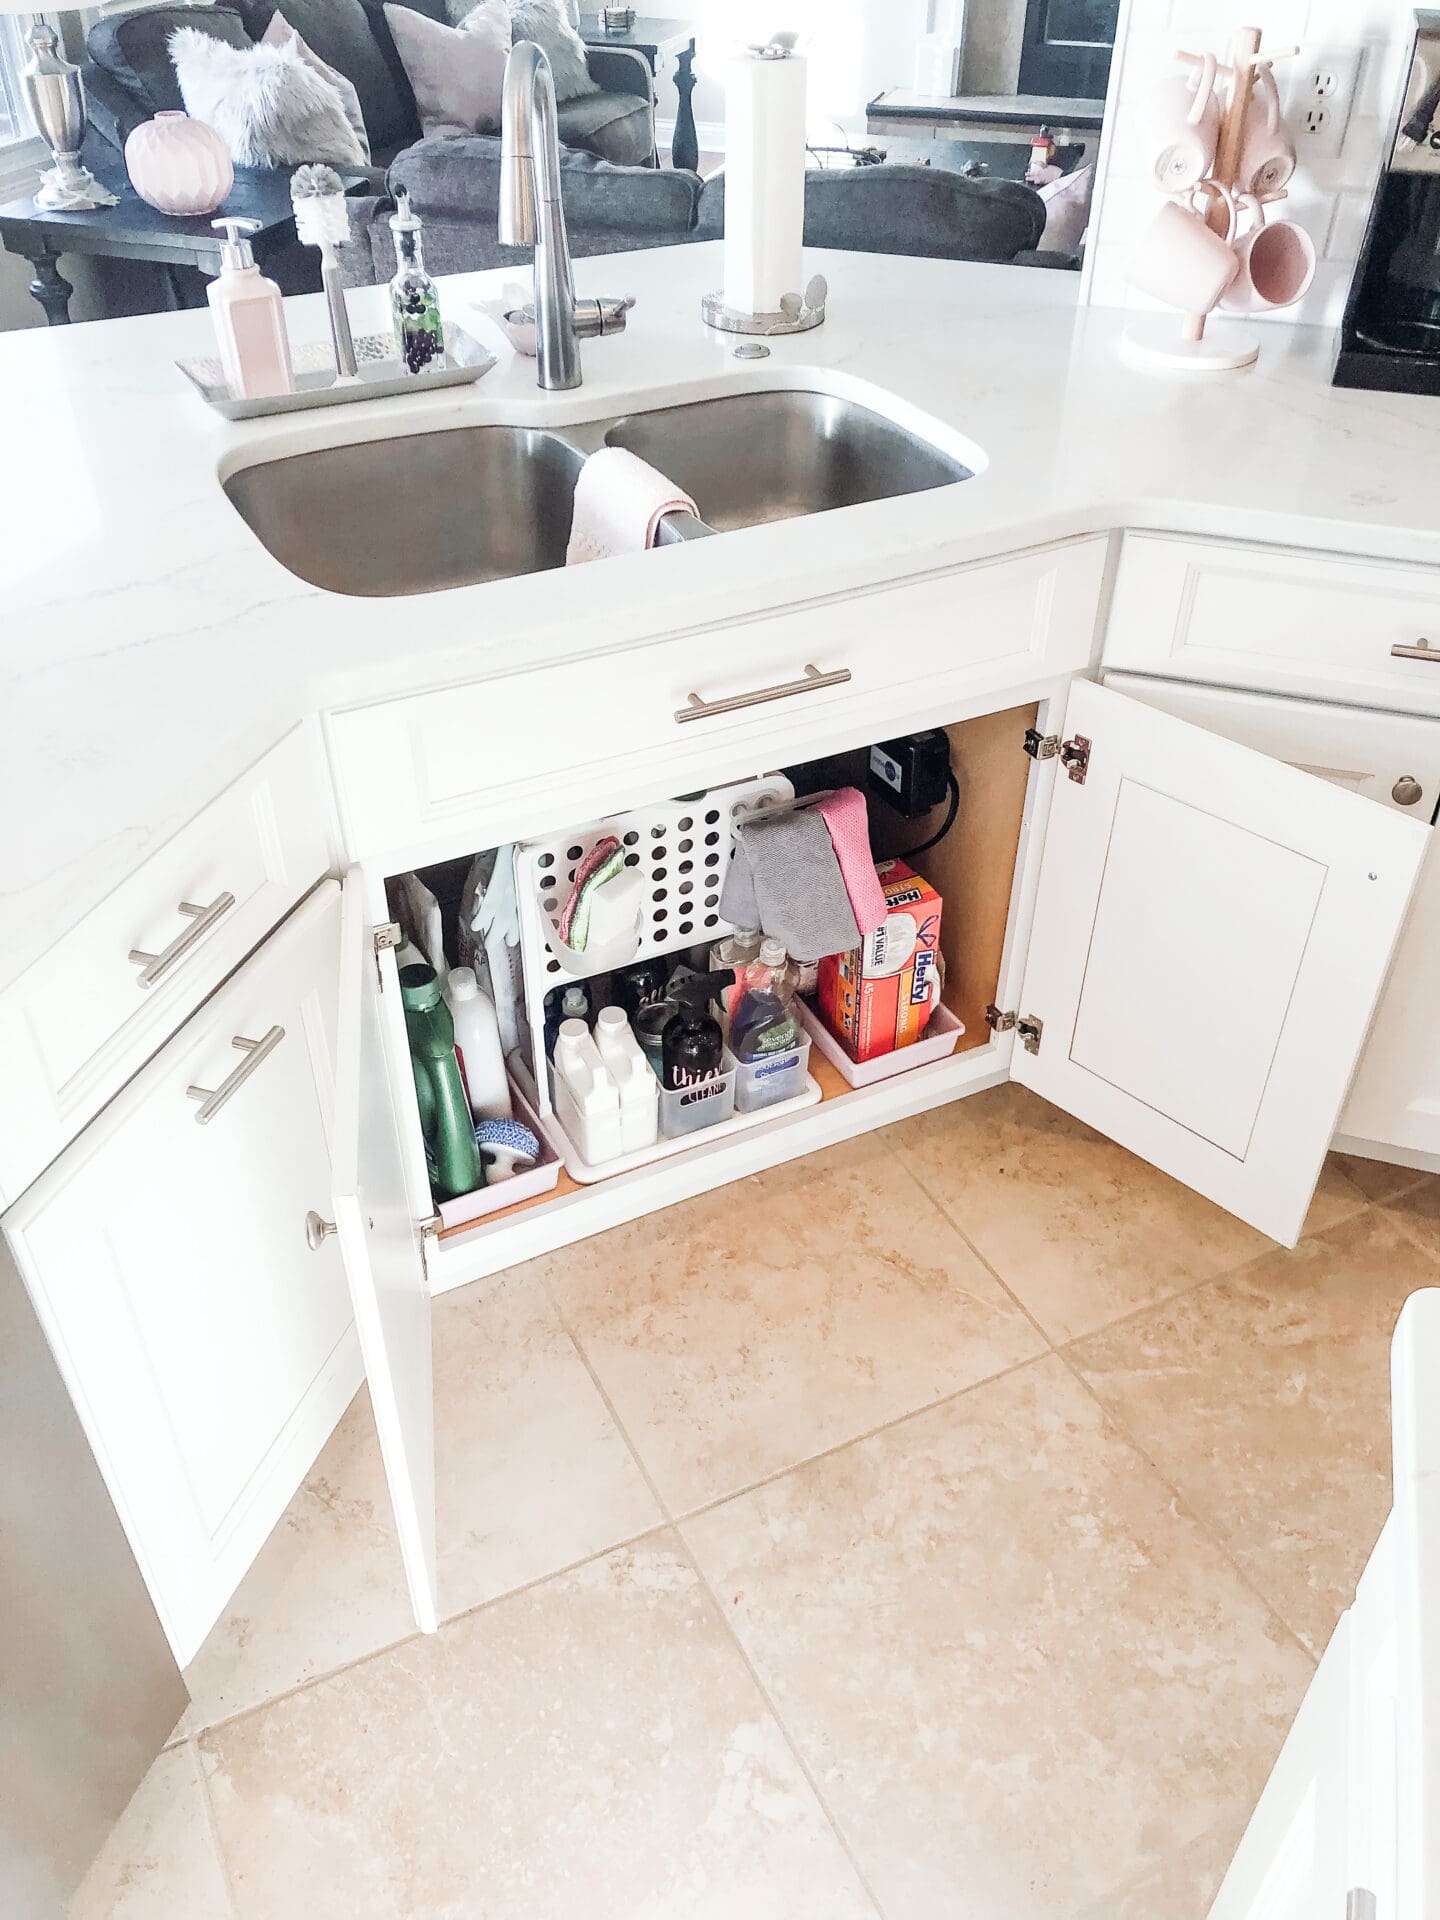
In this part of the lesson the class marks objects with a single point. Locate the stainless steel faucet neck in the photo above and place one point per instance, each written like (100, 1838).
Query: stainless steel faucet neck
(531, 210)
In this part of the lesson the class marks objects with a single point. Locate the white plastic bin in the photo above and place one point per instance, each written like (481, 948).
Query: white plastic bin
(771, 1078)
(689, 1109)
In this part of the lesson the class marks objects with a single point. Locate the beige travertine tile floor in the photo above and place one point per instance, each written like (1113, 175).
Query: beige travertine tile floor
(946, 1525)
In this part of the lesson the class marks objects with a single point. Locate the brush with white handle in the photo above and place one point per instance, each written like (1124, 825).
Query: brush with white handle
(322, 219)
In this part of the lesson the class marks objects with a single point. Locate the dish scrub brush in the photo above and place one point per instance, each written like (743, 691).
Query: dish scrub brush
(322, 219)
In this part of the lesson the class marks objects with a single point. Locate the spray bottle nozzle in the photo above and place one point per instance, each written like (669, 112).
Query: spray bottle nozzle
(692, 990)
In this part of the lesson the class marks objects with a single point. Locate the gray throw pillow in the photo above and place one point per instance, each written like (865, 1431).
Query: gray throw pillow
(269, 108)
(547, 23)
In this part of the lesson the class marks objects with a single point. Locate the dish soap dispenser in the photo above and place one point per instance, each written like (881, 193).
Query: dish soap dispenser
(761, 1021)
(693, 1047)
(414, 303)
(249, 318)
(450, 1149)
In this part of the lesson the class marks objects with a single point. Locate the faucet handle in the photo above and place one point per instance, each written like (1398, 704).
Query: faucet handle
(594, 317)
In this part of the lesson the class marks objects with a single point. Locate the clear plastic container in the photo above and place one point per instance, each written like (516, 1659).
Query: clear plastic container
(771, 1078)
(690, 1109)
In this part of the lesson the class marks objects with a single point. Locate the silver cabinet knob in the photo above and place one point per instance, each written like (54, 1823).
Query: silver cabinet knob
(317, 1230)
(1406, 791)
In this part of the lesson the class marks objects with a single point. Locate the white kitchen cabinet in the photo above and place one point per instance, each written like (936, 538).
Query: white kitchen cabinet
(1393, 1107)
(208, 1351)
(1352, 1806)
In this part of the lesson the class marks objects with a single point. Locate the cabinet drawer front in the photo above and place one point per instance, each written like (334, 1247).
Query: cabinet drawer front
(1277, 620)
(407, 769)
(77, 1024)
(207, 1349)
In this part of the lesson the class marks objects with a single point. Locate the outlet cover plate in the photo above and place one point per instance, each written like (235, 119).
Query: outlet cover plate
(1320, 85)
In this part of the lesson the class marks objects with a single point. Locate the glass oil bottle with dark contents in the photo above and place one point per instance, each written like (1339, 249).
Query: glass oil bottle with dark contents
(414, 303)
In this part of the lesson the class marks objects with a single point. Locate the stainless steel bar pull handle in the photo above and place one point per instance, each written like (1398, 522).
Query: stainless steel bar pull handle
(157, 965)
(212, 1099)
(1422, 650)
(812, 682)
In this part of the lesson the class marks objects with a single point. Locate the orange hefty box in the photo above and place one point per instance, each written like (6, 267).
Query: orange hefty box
(880, 996)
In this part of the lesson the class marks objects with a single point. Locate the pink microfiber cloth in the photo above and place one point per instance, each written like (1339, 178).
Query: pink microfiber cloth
(620, 501)
(599, 860)
(848, 824)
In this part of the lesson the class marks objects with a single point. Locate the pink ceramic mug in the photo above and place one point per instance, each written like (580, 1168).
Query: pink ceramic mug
(1267, 153)
(1182, 125)
(1275, 264)
(1183, 261)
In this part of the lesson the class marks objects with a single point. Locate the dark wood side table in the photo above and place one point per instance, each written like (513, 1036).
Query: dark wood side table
(993, 159)
(134, 231)
(658, 42)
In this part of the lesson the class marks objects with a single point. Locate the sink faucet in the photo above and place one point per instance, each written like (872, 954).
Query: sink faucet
(532, 214)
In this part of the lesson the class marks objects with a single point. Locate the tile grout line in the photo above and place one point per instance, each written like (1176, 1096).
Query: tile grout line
(212, 1828)
(1061, 1353)
(672, 1526)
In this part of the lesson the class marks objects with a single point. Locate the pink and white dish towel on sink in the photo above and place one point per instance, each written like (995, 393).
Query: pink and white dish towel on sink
(619, 502)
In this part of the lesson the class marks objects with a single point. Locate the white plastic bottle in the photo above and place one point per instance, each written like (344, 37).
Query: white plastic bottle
(477, 1041)
(634, 1078)
(586, 1098)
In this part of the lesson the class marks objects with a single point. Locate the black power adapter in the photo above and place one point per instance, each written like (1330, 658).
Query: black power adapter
(911, 774)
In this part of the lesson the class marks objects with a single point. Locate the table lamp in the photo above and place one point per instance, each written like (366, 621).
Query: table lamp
(56, 95)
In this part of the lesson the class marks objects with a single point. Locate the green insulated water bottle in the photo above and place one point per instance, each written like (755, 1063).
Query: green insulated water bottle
(450, 1149)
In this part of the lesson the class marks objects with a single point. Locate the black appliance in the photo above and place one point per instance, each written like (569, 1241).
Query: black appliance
(1390, 335)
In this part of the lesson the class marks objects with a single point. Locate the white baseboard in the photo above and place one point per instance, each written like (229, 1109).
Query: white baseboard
(709, 133)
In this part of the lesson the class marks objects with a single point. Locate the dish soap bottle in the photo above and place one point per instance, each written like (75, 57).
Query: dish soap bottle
(693, 1046)
(450, 1149)
(477, 1044)
(414, 303)
(249, 318)
(739, 949)
(762, 1021)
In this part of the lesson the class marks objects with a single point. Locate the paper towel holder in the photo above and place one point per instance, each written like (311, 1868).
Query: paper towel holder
(797, 314)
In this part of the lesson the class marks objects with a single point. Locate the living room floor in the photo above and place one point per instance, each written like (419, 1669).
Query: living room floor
(945, 1525)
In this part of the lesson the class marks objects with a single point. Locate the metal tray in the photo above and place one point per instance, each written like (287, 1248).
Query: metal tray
(381, 373)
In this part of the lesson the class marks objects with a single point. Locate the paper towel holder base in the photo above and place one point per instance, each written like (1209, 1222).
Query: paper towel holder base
(797, 314)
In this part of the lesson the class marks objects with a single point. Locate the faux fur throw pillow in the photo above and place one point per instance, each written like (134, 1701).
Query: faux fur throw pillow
(546, 23)
(280, 33)
(269, 108)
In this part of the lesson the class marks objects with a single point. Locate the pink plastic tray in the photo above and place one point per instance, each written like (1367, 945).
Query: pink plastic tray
(942, 1035)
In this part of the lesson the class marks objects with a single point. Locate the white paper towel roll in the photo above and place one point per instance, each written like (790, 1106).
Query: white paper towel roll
(764, 181)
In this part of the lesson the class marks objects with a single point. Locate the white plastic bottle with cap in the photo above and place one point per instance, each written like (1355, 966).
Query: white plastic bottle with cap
(249, 319)
(586, 1098)
(477, 1040)
(634, 1077)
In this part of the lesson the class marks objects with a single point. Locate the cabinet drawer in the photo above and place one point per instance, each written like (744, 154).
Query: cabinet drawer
(77, 1024)
(407, 770)
(208, 1351)
(1277, 620)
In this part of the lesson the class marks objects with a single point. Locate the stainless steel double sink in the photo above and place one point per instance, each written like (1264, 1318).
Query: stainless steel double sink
(467, 504)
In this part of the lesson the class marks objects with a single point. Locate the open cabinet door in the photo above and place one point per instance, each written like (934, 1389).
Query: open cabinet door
(1212, 930)
(378, 1226)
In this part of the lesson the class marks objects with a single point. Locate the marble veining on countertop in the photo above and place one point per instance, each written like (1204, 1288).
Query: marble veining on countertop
(150, 648)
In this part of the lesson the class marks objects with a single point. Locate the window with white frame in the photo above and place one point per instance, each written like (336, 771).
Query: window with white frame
(14, 56)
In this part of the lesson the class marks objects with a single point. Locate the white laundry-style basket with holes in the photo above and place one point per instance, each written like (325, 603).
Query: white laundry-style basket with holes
(682, 849)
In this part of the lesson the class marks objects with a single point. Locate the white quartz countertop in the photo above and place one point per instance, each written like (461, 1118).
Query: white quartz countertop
(151, 649)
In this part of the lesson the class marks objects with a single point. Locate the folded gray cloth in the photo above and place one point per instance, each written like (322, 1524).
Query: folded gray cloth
(784, 878)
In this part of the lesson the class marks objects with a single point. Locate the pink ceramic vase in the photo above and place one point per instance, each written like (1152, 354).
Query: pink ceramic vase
(178, 164)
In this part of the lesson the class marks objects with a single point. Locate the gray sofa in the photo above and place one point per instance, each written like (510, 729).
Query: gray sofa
(454, 185)
(128, 76)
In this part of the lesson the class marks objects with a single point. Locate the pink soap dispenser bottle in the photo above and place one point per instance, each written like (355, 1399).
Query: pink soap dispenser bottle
(249, 319)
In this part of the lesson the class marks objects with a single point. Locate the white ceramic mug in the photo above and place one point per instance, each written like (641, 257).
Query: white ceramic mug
(1275, 263)
(1267, 153)
(1181, 260)
(1182, 126)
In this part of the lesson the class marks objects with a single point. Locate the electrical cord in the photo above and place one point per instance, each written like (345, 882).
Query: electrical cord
(950, 813)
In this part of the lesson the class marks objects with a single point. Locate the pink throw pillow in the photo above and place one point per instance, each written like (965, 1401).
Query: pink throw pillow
(457, 73)
(280, 33)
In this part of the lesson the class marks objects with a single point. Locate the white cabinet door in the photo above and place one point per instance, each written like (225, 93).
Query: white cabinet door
(1393, 758)
(378, 1219)
(1211, 934)
(208, 1352)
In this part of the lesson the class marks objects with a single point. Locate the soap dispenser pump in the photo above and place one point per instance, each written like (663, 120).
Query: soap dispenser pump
(693, 1044)
(249, 318)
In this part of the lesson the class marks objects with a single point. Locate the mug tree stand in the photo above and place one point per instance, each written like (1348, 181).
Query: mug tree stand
(1199, 346)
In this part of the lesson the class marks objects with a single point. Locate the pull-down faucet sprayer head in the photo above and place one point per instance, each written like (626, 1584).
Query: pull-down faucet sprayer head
(526, 70)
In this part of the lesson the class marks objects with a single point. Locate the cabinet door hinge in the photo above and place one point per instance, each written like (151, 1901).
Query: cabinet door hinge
(1026, 1025)
(1075, 757)
(388, 936)
(1074, 754)
(430, 1227)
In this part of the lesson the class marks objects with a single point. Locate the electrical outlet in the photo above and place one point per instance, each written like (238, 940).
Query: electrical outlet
(1320, 88)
